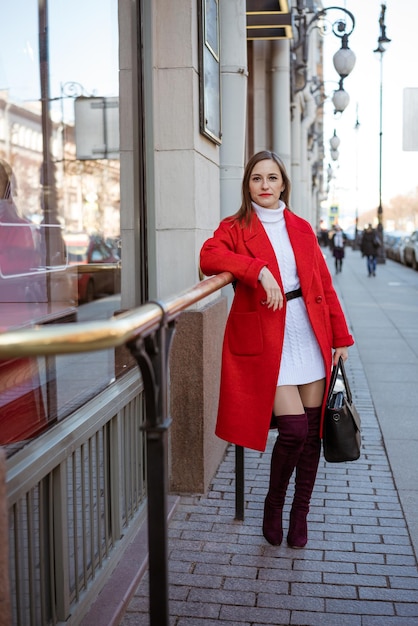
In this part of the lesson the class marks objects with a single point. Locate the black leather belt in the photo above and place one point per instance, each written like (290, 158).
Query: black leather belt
(296, 293)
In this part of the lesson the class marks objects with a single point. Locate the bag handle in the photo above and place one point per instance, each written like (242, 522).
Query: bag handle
(334, 375)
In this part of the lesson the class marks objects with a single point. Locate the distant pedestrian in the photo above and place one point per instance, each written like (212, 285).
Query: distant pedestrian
(338, 244)
(323, 234)
(370, 245)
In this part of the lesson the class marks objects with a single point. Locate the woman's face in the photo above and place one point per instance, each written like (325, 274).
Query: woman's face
(266, 184)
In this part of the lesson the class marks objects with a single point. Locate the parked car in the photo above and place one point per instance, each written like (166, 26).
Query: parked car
(411, 251)
(402, 245)
(98, 265)
(394, 248)
(353, 236)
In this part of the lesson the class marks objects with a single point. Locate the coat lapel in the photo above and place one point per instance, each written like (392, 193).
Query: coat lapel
(301, 240)
(258, 243)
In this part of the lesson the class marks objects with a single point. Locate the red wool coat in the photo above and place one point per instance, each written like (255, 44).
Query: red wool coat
(254, 333)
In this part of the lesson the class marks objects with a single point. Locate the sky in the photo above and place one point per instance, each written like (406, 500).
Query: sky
(356, 182)
(82, 47)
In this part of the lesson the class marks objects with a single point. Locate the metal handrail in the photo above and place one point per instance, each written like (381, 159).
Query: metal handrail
(99, 335)
(130, 329)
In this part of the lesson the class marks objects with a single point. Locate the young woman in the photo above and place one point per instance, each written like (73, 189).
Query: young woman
(284, 322)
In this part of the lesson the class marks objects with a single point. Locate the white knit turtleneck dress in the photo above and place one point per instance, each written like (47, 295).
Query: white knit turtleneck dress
(301, 361)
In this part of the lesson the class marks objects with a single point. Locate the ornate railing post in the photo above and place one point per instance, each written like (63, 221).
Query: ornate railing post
(152, 356)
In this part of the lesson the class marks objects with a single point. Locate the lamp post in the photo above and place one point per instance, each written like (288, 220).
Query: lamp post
(383, 39)
(356, 128)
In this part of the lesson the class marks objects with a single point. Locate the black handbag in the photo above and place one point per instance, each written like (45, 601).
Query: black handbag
(341, 433)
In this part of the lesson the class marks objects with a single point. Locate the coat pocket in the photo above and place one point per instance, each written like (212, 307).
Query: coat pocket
(244, 334)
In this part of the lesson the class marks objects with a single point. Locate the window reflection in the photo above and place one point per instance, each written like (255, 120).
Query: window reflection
(98, 264)
(35, 282)
(23, 412)
(60, 256)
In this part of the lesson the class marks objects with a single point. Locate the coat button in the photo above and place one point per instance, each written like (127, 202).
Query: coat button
(318, 299)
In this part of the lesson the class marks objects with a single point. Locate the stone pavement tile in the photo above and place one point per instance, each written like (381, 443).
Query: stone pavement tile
(292, 601)
(359, 580)
(360, 607)
(190, 621)
(370, 620)
(289, 575)
(226, 570)
(195, 556)
(302, 618)
(255, 614)
(406, 596)
(403, 582)
(224, 596)
(140, 619)
(407, 610)
(393, 559)
(388, 570)
(334, 589)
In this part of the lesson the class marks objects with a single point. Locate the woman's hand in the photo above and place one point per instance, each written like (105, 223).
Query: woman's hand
(274, 296)
(340, 352)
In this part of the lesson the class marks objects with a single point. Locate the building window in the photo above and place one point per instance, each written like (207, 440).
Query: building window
(210, 70)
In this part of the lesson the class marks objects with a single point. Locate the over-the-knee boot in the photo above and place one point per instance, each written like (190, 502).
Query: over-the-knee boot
(293, 430)
(306, 470)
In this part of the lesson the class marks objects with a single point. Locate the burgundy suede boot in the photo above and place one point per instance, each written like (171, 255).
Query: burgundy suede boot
(306, 470)
(293, 430)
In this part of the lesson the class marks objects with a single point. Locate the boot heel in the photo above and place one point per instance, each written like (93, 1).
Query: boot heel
(297, 536)
(272, 524)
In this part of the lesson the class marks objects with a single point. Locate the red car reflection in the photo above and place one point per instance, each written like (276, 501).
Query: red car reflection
(22, 401)
(98, 265)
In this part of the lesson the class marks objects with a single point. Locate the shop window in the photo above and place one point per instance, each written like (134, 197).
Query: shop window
(52, 202)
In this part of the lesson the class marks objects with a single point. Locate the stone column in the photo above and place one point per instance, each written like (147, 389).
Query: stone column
(295, 172)
(281, 100)
(234, 102)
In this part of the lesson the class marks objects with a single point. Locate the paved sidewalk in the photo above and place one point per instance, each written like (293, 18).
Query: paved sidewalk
(359, 567)
(383, 314)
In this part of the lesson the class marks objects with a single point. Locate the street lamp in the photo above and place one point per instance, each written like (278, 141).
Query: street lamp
(344, 59)
(383, 39)
(334, 142)
(340, 98)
